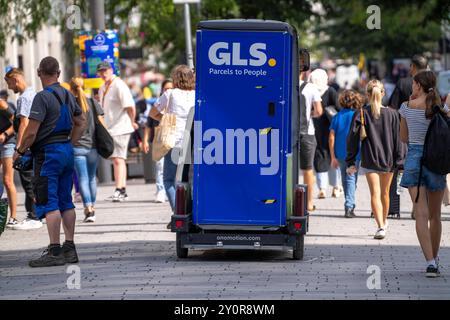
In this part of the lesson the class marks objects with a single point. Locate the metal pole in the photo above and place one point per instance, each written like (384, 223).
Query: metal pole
(97, 14)
(444, 46)
(187, 28)
(98, 24)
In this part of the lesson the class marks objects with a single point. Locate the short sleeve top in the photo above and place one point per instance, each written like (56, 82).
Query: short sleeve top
(417, 123)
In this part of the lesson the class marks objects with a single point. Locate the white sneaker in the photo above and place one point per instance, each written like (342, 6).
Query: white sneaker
(380, 234)
(337, 192)
(12, 222)
(160, 197)
(28, 224)
(117, 196)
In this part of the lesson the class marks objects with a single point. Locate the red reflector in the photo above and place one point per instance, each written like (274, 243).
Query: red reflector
(179, 224)
(297, 225)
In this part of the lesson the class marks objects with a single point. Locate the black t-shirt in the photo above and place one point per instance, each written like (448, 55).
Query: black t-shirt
(87, 140)
(6, 121)
(46, 110)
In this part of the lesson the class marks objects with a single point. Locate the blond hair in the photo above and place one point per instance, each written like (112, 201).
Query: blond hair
(375, 90)
(76, 87)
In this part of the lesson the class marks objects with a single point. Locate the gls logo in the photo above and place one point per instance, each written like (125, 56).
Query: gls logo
(222, 57)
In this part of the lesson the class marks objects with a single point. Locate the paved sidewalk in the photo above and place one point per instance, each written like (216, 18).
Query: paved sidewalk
(129, 254)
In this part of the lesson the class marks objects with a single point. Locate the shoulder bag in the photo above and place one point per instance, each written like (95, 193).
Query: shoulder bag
(165, 133)
(104, 143)
(362, 131)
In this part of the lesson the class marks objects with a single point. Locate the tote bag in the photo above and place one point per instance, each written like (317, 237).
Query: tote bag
(165, 133)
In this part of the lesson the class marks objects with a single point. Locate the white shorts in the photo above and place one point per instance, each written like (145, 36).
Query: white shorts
(121, 146)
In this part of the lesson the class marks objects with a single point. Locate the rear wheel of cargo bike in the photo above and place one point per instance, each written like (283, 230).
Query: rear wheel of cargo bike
(299, 247)
(181, 252)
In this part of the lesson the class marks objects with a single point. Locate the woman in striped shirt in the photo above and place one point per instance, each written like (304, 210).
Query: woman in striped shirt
(415, 119)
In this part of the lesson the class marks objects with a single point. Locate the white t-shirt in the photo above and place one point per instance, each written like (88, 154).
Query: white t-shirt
(24, 103)
(311, 94)
(115, 103)
(181, 102)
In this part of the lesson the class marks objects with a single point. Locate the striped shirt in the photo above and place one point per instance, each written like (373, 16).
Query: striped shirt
(417, 123)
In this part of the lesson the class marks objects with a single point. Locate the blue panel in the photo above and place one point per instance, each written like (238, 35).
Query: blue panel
(243, 82)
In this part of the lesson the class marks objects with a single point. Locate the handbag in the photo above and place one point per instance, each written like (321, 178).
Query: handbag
(165, 133)
(362, 131)
(104, 143)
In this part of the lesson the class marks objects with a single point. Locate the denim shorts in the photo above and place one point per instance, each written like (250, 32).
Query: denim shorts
(7, 150)
(430, 180)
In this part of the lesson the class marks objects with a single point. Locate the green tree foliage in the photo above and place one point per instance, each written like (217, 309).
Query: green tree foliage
(407, 27)
(21, 19)
(162, 22)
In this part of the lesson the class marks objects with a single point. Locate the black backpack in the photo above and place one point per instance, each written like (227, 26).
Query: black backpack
(436, 149)
(303, 119)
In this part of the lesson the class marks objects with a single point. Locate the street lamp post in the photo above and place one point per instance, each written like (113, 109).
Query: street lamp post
(187, 29)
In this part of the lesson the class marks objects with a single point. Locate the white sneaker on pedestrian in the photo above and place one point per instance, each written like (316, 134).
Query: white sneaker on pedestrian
(117, 196)
(380, 234)
(160, 197)
(28, 224)
(337, 192)
(12, 222)
(124, 196)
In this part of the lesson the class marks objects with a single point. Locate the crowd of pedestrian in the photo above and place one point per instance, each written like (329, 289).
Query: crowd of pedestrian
(50, 138)
(379, 141)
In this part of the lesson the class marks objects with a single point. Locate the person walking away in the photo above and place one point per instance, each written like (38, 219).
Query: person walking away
(416, 116)
(326, 174)
(179, 101)
(379, 129)
(310, 107)
(85, 152)
(120, 112)
(7, 145)
(351, 102)
(149, 134)
(55, 121)
(16, 82)
(403, 89)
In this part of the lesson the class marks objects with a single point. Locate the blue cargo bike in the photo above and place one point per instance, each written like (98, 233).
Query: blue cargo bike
(242, 191)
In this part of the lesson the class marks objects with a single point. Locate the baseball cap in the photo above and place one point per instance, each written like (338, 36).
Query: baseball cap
(104, 65)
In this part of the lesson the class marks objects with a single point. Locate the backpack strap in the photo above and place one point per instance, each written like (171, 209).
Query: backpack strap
(422, 161)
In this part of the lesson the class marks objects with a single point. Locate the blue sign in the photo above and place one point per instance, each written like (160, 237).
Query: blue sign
(96, 48)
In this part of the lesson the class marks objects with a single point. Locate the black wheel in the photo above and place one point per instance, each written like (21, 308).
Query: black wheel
(182, 253)
(299, 248)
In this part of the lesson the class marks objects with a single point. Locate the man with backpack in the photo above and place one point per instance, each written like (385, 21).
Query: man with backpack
(310, 106)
